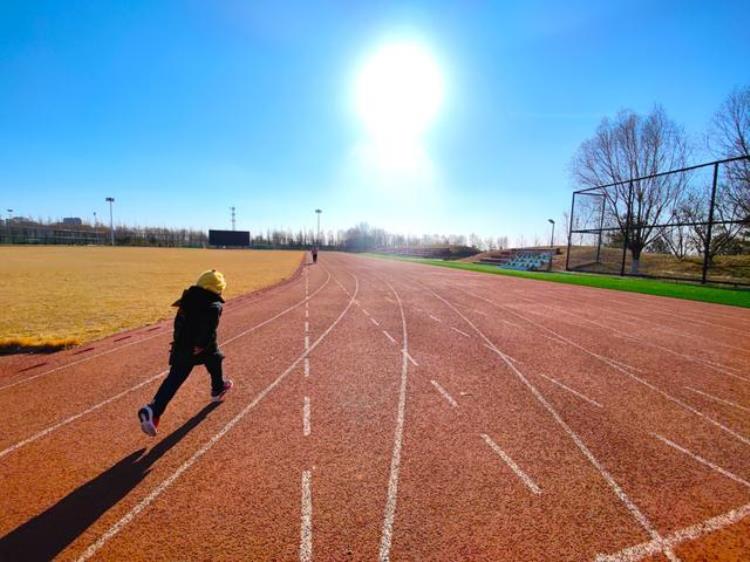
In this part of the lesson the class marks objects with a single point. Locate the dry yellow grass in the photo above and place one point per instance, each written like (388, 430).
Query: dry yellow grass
(58, 294)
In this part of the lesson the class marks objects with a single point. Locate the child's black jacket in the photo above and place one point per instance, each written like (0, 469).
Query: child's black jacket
(195, 324)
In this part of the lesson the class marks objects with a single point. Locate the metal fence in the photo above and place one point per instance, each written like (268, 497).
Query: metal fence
(691, 224)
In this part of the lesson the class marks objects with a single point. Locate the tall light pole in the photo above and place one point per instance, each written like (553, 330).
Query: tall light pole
(317, 239)
(10, 212)
(111, 200)
(552, 239)
(233, 216)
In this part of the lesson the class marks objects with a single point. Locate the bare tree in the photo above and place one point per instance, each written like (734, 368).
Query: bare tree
(635, 146)
(729, 136)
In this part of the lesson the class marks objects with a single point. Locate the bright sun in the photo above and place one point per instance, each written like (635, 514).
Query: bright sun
(399, 90)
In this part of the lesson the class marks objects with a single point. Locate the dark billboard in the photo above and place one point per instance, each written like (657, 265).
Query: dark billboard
(232, 238)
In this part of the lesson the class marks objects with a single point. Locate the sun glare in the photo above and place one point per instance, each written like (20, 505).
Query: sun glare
(399, 90)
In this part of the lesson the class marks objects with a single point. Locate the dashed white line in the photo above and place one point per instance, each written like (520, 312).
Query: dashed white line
(435, 318)
(374, 321)
(525, 478)
(445, 394)
(365, 311)
(165, 484)
(387, 335)
(561, 385)
(464, 334)
(717, 399)
(307, 367)
(619, 368)
(307, 327)
(701, 460)
(650, 548)
(307, 343)
(637, 514)
(413, 362)
(305, 539)
(306, 417)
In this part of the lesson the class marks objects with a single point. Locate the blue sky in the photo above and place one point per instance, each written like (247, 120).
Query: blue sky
(181, 109)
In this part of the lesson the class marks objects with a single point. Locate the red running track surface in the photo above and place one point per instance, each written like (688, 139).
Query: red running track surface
(391, 411)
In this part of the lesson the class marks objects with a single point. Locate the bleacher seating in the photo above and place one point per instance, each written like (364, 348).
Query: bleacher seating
(523, 259)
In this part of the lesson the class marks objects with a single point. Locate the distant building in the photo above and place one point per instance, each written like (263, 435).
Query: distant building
(72, 221)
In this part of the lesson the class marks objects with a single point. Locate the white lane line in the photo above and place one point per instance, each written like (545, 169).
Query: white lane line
(650, 548)
(366, 313)
(90, 357)
(509, 323)
(445, 394)
(306, 417)
(639, 516)
(617, 367)
(390, 505)
(307, 367)
(73, 418)
(307, 327)
(435, 318)
(165, 484)
(79, 361)
(95, 407)
(701, 460)
(374, 321)
(464, 334)
(413, 362)
(717, 399)
(525, 478)
(305, 539)
(725, 369)
(307, 343)
(387, 335)
(561, 385)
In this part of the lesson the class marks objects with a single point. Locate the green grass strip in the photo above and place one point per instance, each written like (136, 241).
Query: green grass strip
(675, 289)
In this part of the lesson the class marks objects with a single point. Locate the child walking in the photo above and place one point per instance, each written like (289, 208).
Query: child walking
(194, 343)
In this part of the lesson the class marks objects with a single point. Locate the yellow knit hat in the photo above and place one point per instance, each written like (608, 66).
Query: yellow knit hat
(213, 281)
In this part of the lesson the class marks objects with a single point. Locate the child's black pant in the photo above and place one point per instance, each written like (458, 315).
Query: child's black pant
(178, 373)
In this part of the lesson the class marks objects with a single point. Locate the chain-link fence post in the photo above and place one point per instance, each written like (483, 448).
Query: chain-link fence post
(626, 238)
(707, 249)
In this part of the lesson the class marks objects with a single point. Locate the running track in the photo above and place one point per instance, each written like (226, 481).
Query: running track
(391, 411)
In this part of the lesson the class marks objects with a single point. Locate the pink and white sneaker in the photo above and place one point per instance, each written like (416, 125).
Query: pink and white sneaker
(149, 422)
(219, 396)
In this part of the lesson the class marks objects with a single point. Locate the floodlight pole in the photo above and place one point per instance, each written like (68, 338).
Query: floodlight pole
(552, 238)
(317, 238)
(111, 200)
(233, 217)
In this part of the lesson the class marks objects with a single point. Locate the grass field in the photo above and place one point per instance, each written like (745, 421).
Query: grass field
(52, 296)
(719, 295)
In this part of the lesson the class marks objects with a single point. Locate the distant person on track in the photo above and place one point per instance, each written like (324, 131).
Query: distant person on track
(194, 343)
(315, 254)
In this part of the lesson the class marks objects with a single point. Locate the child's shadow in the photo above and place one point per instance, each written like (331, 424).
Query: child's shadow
(47, 534)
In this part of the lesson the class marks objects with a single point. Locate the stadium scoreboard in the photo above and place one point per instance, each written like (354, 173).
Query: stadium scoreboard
(231, 238)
